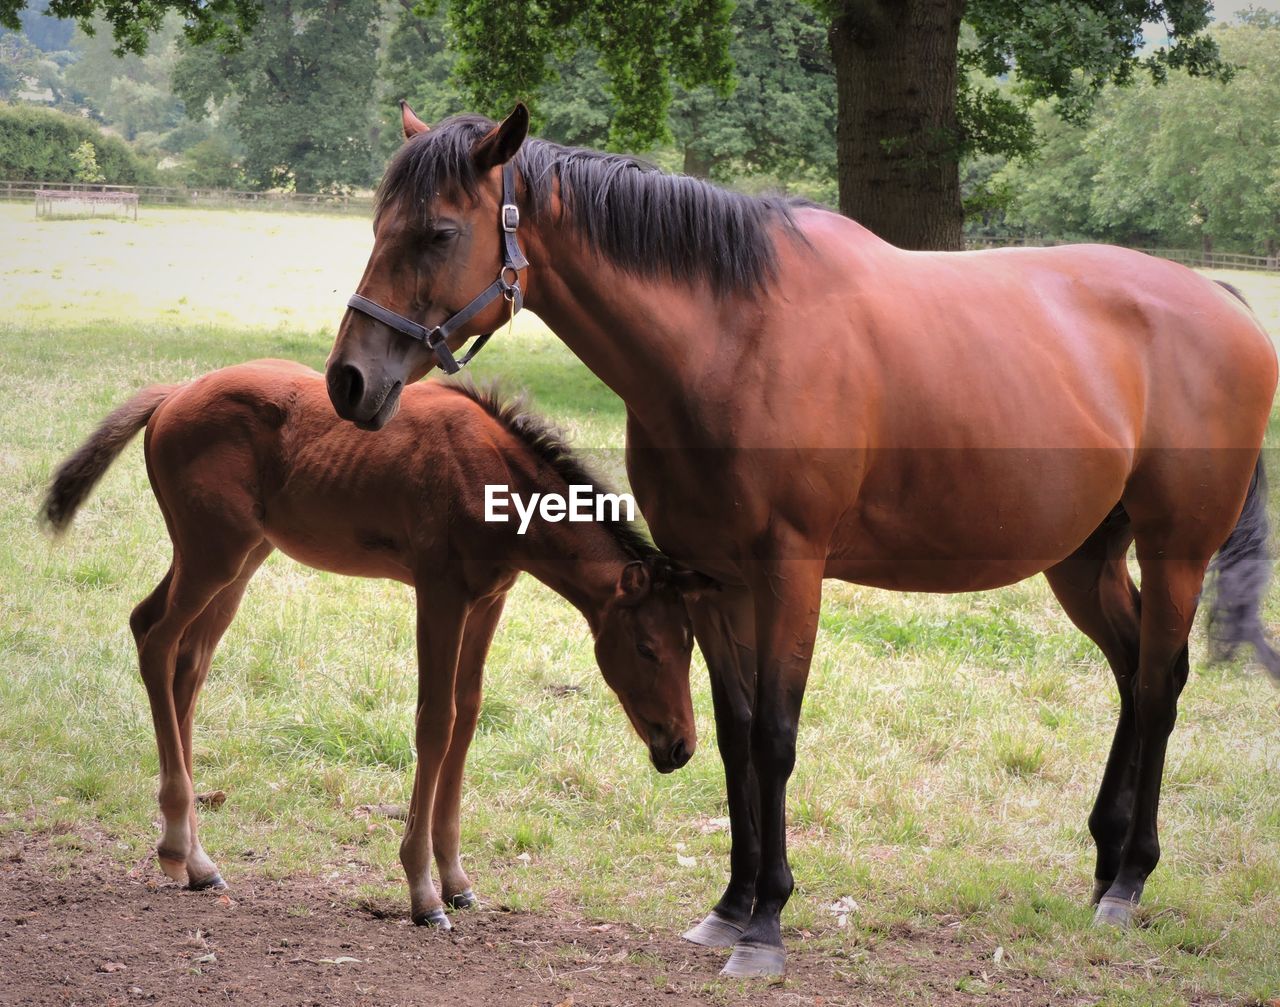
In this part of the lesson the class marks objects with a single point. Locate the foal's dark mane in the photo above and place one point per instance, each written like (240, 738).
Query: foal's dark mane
(640, 219)
(547, 443)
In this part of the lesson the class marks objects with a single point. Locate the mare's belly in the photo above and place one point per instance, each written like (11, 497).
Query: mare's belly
(974, 520)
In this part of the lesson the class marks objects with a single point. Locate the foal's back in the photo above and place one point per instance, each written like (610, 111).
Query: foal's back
(256, 452)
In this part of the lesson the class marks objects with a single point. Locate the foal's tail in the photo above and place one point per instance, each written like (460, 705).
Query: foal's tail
(77, 476)
(1240, 572)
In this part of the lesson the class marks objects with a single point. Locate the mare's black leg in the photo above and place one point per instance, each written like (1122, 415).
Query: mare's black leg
(787, 594)
(1095, 590)
(725, 630)
(1170, 589)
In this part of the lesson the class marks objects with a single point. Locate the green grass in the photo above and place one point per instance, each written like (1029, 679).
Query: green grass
(949, 749)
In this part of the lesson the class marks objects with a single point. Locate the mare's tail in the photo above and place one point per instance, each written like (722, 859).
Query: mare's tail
(1240, 573)
(1241, 570)
(77, 476)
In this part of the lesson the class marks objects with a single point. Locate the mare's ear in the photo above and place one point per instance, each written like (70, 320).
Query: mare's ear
(411, 124)
(690, 583)
(634, 583)
(499, 145)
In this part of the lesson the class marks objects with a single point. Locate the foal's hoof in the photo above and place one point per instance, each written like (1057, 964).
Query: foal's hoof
(433, 918)
(714, 932)
(213, 882)
(1113, 912)
(755, 961)
(464, 900)
(174, 869)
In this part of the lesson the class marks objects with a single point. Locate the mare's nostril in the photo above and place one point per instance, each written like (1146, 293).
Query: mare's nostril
(679, 753)
(352, 385)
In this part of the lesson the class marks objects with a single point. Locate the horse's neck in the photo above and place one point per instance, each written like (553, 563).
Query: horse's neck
(635, 334)
(580, 561)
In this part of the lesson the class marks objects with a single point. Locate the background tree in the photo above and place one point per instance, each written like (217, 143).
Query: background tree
(1193, 162)
(134, 93)
(303, 92)
(509, 50)
(907, 111)
(17, 63)
(780, 119)
(133, 22)
(778, 123)
(419, 65)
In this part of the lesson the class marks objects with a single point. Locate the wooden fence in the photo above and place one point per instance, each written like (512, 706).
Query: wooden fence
(1188, 257)
(156, 195)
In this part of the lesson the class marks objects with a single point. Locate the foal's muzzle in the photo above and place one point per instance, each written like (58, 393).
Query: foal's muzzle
(668, 756)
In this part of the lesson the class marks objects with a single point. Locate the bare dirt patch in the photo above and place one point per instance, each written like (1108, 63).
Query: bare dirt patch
(76, 927)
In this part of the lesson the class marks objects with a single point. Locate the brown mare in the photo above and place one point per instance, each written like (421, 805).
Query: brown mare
(806, 401)
(251, 458)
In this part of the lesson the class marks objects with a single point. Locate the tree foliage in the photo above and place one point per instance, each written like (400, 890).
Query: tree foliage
(1093, 43)
(39, 144)
(133, 22)
(303, 93)
(17, 62)
(509, 50)
(419, 65)
(1186, 163)
(133, 93)
(780, 119)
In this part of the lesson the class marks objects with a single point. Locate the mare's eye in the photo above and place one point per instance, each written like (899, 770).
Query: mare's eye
(647, 652)
(444, 235)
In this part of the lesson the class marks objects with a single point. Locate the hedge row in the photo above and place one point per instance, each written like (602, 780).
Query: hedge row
(36, 145)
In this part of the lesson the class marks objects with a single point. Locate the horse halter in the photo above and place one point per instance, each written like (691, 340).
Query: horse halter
(436, 339)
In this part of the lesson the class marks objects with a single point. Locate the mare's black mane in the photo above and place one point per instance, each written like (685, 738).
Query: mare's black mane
(640, 219)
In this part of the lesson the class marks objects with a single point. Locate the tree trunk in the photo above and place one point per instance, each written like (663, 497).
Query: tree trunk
(897, 139)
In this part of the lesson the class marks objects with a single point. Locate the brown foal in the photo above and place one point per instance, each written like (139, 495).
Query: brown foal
(805, 401)
(252, 458)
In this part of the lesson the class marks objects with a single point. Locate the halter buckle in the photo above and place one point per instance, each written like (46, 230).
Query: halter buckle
(510, 217)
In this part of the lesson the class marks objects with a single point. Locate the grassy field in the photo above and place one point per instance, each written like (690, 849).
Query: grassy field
(949, 749)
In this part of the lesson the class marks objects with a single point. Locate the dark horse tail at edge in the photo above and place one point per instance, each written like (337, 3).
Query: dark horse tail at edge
(1241, 571)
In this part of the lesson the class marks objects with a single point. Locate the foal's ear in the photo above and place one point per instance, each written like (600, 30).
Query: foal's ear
(411, 124)
(499, 145)
(634, 583)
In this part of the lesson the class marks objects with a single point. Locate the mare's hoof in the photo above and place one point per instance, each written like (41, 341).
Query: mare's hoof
(464, 900)
(433, 918)
(714, 932)
(213, 882)
(755, 961)
(1113, 912)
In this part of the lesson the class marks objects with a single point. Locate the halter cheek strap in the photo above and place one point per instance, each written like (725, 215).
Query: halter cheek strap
(436, 339)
